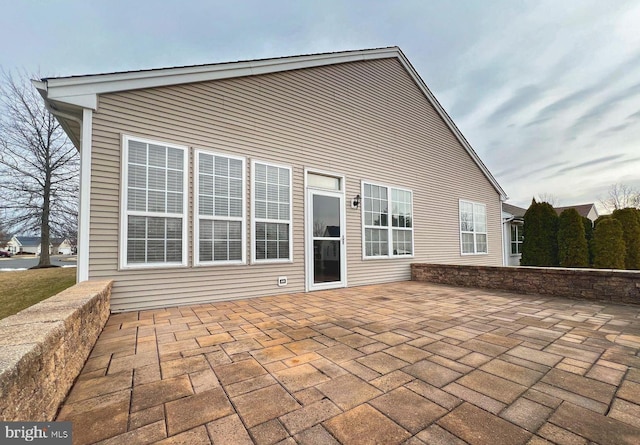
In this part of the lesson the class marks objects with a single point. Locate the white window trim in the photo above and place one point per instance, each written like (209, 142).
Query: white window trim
(460, 232)
(254, 260)
(390, 227)
(511, 242)
(196, 211)
(124, 213)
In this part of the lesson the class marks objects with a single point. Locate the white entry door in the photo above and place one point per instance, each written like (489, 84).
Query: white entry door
(326, 249)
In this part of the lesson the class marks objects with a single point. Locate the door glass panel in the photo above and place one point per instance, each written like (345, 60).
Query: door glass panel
(326, 216)
(326, 261)
(327, 242)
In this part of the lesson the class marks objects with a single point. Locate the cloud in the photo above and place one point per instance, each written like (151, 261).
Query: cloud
(521, 98)
(590, 163)
(525, 170)
(554, 109)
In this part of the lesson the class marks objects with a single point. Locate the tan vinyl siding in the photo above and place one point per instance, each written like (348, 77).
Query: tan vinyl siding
(364, 120)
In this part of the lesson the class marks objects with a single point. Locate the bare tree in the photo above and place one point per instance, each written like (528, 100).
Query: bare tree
(620, 196)
(38, 165)
(4, 235)
(549, 198)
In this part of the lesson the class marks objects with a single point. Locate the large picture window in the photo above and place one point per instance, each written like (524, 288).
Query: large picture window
(154, 204)
(220, 209)
(473, 227)
(271, 212)
(387, 221)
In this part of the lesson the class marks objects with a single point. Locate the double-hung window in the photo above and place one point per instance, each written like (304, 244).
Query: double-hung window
(219, 189)
(271, 212)
(516, 239)
(473, 227)
(388, 221)
(154, 231)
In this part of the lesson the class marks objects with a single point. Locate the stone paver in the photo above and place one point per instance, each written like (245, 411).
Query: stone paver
(402, 363)
(348, 391)
(264, 404)
(408, 409)
(366, 425)
(189, 412)
(478, 427)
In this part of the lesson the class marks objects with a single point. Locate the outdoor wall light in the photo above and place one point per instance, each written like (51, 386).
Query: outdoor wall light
(356, 202)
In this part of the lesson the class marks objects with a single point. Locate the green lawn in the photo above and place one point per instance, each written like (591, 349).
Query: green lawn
(24, 288)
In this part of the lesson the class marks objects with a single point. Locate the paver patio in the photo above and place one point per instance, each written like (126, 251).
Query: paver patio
(409, 362)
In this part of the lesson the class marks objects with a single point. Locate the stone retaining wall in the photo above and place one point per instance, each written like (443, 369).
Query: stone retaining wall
(616, 286)
(43, 349)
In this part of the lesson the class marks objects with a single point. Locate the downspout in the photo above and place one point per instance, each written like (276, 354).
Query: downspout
(62, 114)
(502, 229)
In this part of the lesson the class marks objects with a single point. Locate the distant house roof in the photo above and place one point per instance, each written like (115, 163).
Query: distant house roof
(28, 241)
(514, 210)
(583, 209)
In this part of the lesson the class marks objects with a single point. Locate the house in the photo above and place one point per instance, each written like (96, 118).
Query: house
(512, 227)
(24, 244)
(205, 183)
(585, 210)
(61, 246)
(31, 244)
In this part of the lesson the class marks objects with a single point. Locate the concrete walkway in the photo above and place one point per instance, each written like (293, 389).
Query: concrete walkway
(389, 364)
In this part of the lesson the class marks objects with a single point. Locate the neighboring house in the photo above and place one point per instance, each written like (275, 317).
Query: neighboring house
(24, 244)
(585, 210)
(205, 183)
(61, 246)
(512, 226)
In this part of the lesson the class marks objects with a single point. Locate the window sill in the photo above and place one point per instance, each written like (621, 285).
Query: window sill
(386, 257)
(219, 263)
(257, 262)
(146, 266)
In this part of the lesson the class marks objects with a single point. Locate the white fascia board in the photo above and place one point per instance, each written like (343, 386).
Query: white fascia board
(82, 91)
(447, 119)
(79, 100)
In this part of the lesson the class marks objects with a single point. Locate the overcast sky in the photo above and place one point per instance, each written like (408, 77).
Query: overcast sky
(547, 92)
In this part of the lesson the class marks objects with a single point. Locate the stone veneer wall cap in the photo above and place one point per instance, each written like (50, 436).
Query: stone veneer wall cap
(44, 348)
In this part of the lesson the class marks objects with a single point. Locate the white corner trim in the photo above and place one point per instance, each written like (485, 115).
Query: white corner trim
(503, 228)
(85, 196)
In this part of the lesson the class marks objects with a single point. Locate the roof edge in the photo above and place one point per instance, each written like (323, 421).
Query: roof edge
(451, 124)
(83, 91)
(77, 89)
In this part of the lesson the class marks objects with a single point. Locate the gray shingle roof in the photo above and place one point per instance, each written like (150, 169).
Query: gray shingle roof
(583, 209)
(514, 210)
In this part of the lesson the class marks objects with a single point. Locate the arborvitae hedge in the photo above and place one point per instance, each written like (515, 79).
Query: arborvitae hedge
(588, 234)
(540, 244)
(572, 243)
(608, 244)
(631, 231)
